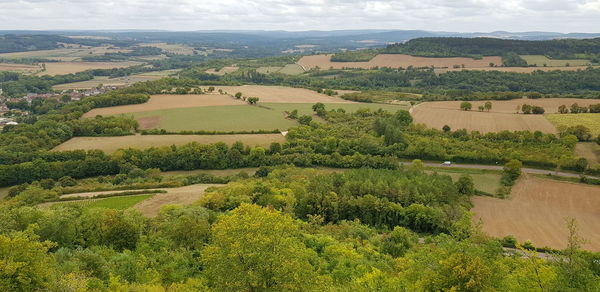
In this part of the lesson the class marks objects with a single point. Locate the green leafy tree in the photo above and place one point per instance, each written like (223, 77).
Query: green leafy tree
(305, 120)
(238, 95)
(399, 241)
(465, 185)
(466, 106)
(488, 105)
(25, 264)
(257, 249)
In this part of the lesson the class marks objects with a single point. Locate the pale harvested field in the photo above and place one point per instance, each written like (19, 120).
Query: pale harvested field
(281, 94)
(19, 67)
(503, 115)
(63, 54)
(537, 211)
(515, 69)
(168, 101)
(222, 71)
(176, 196)
(396, 61)
(119, 81)
(61, 68)
(112, 144)
(176, 49)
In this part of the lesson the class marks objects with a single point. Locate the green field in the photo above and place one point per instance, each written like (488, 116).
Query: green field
(266, 116)
(592, 121)
(540, 60)
(487, 181)
(118, 203)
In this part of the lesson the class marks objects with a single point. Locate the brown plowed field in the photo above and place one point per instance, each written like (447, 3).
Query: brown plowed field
(168, 101)
(397, 61)
(282, 94)
(537, 211)
(503, 115)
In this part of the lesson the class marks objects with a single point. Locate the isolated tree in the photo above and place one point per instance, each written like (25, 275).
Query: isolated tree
(446, 128)
(305, 120)
(480, 108)
(563, 109)
(252, 100)
(238, 95)
(293, 114)
(537, 110)
(488, 106)
(526, 109)
(512, 169)
(211, 89)
(465, 185)
(257, 249)
(318, 107)
(465, 106)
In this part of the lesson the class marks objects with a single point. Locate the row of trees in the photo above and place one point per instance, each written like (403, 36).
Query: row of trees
(577, 109)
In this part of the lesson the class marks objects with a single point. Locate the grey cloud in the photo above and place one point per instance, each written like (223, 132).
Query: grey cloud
(455, 15)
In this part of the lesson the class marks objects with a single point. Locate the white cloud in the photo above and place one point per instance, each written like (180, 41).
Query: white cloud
(448, 15)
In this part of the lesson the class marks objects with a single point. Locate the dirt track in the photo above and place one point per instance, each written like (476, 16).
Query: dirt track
(537, 211)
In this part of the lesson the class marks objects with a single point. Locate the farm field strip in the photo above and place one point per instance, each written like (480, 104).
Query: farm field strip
(589, 151)
(168, 101)
(22, 68)
(61, 68)
(397, 61)
(488, 182)
(266, 116)
(592, 121)
(501, 117)
(540, 60)
(537, 211)
(112, 144)
(271, 94)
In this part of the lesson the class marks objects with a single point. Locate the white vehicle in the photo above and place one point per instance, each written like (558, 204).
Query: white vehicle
(447, 163)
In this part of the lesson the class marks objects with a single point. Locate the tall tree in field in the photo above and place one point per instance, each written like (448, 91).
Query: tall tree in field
(466, 106)
(488, 106)
(257, 249)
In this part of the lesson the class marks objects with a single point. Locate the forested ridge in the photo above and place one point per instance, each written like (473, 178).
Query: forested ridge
(459, 47)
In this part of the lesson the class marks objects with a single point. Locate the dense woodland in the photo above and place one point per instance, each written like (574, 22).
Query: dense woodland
(469, 47)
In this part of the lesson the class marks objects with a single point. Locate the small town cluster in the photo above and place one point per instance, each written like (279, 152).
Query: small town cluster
(9, 116)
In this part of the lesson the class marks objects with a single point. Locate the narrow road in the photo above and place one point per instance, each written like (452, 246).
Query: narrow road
(499, 167)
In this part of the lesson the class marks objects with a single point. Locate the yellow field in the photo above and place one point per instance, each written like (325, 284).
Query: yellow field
(112, 144)
(592, 121)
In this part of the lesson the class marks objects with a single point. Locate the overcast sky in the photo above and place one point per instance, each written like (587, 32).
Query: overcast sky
(449, 15)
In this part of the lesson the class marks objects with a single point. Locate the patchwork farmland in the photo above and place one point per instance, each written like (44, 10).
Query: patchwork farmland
(397, 61)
